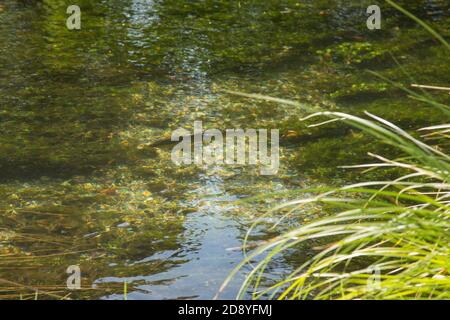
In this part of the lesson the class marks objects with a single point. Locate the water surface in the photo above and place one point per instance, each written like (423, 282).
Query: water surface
(82, 182)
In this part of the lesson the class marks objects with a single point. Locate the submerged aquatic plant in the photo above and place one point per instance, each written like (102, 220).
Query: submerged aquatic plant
(380, 239)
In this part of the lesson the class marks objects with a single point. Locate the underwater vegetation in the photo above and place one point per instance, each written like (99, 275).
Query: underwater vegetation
(84, 181)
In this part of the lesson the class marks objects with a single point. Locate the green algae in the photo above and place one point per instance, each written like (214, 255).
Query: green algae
(82, 182)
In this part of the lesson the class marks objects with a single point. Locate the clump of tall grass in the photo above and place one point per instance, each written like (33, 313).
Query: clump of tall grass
(388, 239)
(383, 239)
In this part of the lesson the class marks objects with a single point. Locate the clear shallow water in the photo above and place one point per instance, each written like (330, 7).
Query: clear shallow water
(208, 254)
(81, 183)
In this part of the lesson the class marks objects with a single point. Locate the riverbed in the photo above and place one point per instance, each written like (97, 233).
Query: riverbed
(83, 180)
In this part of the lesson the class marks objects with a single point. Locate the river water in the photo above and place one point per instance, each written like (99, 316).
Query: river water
(83, 179)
